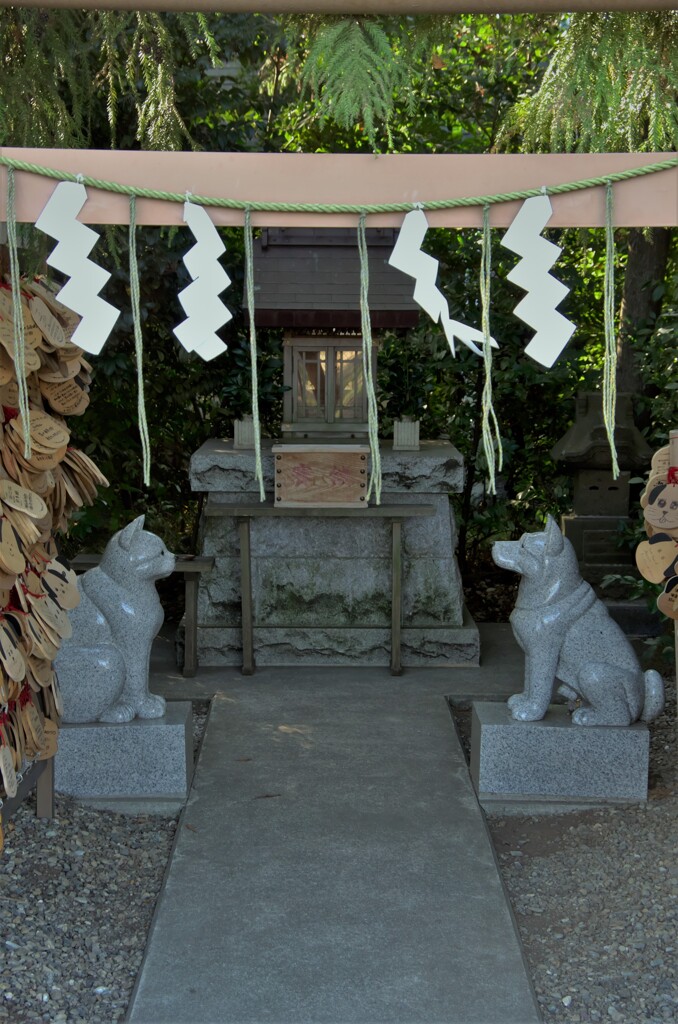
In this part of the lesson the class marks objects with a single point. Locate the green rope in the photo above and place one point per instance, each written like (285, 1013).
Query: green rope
(279, 207)
(249, 284)
(610, 370)
(18, 317)
(490, 425)
(366, 324)
(138, 341)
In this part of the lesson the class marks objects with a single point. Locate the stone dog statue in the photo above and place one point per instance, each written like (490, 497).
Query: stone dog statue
(103, 668)
(570, 641)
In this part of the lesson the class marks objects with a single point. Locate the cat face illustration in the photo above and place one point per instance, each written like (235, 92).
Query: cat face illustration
(661, 510)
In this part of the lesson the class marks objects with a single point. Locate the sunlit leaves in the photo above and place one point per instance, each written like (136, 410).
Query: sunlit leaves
(353, 73)
(612, 84)
(58, 65)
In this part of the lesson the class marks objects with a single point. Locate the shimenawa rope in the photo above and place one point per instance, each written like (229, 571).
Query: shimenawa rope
(610, 367)
(249, 284)
(490, 426)
(366, 324)
(138, 341)
(18, 317)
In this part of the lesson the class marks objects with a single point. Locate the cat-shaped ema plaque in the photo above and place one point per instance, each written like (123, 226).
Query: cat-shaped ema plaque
(661, 511)
(103, 668)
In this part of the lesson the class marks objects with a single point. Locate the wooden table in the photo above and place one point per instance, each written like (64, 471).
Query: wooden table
(40, 777)
(394, 514)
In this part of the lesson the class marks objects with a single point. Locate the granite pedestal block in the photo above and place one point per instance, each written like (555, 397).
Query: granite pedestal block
(555, 761)
(143, 758)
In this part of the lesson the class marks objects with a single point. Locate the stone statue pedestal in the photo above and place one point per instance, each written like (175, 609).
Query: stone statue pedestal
(150, 758)
(554, 761)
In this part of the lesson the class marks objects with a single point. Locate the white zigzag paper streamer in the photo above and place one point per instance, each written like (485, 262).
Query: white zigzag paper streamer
(205, 311)
(76, 241)
(544, 292)
(408, 257)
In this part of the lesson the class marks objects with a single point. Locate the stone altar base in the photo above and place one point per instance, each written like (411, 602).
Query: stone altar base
(150, 758)
(321, 587)
(554, 761)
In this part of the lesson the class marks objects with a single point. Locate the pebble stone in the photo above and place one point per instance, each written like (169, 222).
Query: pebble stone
(594, 894)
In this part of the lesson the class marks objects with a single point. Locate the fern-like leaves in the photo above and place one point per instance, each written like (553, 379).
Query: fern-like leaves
(611, 85)
(354, 73)
(55, 64)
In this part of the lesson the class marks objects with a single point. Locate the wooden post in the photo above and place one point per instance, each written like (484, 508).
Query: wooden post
(396, 596)
(246, 597)
(191, 582)
(45, 791)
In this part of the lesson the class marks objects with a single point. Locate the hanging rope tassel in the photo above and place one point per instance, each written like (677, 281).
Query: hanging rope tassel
(372, 413)
(19, 339)
(249, 284)
(138, 342)
(610, 370)
(490, 424)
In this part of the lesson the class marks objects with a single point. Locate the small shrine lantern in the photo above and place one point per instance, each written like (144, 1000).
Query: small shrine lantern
(308, 282)
(331, 573)
(326, 386)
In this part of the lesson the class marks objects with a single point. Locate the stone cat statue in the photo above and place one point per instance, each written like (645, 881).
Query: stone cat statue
(103, 668)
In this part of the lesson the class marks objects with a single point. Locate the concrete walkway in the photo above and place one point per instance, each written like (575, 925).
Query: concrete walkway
(332, 863)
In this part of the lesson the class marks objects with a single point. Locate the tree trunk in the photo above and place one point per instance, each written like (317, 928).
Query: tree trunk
(648, 254)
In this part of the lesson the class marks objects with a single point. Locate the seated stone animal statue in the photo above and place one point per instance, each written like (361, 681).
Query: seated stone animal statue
(103, 668)
(570, 641)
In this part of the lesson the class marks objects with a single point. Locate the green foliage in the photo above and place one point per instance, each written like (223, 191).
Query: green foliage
(657, 348)
(407, 374)
(410, 84)
(351, 66)
(187, 400)
(86, 62)
(534, 406)
(612, 84)
(147, 79)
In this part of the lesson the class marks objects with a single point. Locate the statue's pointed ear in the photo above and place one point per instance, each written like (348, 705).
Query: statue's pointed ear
(127, 535)
(554, 538)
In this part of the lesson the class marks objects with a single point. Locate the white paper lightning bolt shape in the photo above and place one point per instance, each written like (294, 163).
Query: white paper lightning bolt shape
(204, 309)
(408, 257)
(76, 241)
(544, 292)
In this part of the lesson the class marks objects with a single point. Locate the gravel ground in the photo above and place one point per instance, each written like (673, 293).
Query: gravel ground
(77, 896)
(594, 894)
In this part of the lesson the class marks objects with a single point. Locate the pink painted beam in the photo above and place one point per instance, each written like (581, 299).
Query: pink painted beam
(650, 200)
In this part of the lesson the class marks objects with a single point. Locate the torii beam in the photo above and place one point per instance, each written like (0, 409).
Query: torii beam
(648, 201)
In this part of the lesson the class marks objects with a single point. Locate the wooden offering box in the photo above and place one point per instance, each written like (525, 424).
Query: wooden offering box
(327, 475)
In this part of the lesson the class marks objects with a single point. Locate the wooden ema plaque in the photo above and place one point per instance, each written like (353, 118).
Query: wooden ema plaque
(327, 475)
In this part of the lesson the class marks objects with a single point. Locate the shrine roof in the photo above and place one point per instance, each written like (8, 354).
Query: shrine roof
(310, 277)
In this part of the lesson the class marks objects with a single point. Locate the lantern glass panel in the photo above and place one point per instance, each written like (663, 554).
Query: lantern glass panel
(349, 390)
(325, 386)
(311, 384)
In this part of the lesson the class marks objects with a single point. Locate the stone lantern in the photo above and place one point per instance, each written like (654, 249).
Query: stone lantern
(601, 503)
